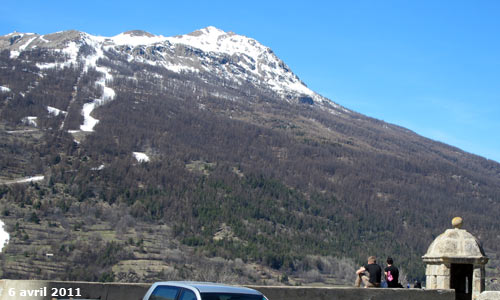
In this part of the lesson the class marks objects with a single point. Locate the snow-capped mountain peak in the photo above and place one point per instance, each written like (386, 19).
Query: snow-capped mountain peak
(230, 56)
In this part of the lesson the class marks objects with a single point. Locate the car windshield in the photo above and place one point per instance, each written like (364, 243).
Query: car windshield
(230, 296)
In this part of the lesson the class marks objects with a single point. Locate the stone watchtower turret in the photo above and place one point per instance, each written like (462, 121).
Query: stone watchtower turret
(456, 260)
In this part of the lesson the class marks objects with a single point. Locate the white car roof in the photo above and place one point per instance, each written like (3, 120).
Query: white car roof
(209, 287)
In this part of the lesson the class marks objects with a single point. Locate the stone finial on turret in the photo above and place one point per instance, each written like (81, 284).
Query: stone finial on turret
(457, 222)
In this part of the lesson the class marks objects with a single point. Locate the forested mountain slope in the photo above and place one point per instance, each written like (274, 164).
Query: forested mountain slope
(204, 154)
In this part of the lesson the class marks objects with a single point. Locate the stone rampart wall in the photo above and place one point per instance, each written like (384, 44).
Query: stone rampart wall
(44, 290)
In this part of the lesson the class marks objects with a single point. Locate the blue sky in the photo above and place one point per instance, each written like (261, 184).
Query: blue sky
(430, 66)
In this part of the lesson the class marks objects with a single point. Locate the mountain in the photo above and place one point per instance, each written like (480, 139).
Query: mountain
(203, 156)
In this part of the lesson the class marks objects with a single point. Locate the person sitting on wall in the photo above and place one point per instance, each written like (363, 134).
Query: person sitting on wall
(370, 274)
(392, 274)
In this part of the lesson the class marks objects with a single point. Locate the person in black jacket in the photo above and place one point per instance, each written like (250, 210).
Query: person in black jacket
(370, 274)
(391, 274)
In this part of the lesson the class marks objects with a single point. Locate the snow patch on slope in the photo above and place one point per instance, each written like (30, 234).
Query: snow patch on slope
(23, 47)
(30, 120)
(141, 157)
(101, 167)
(90, 122)
(130, 39)
(55, 112)
(30, 179)
(14, 54)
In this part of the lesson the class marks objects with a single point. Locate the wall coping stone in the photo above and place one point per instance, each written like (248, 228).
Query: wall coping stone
(135, 291)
